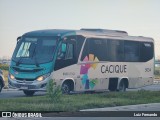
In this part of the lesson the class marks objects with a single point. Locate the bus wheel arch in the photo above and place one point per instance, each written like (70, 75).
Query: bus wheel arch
(67, 86)
(123, 84)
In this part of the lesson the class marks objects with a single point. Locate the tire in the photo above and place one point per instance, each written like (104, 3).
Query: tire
(28, 93)
(66, 89)
(122, 87)
(1, 86)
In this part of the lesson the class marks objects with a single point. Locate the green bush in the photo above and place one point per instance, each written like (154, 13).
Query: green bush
(4, 67)
(53, 92)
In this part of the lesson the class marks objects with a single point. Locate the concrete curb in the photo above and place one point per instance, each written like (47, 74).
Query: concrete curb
(139, 107)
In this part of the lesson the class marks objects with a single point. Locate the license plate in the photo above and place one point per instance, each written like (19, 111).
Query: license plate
(24, 87)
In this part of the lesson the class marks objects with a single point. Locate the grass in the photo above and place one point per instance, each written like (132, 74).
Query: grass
(77, 102)
(4, 66)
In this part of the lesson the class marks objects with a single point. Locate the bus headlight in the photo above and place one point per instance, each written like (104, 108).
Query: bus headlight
(43, 77)
(11, 76)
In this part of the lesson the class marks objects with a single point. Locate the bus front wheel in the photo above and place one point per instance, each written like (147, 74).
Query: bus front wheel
(28, 93)
(66, 88)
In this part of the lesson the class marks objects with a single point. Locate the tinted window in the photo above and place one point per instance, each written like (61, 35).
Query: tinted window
(146, 51)
(131, 51)
(66, 53)
(31, 49)
(69, 53)
(115, 50)
(118, 50)
(45, 51)
(97, 47)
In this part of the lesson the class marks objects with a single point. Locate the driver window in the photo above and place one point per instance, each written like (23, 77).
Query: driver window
(66, 56)
(62, 51)
(69, 53)
(66, 51)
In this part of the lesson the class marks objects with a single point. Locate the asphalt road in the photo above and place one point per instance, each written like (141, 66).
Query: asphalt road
(13, 93)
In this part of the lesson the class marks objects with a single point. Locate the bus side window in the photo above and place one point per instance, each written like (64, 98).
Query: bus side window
(146, 51)
(131, 51)
(115, 50)
(66, 51)
(69, 53)
(97, 47)
(66, 55)
(62, 51)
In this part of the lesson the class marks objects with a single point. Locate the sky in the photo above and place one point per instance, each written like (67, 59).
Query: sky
(137, 17)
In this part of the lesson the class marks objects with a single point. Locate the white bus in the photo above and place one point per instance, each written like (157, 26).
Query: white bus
(81, 60)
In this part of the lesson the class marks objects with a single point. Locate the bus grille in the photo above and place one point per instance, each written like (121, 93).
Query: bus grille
(25, 70)
(22, 79)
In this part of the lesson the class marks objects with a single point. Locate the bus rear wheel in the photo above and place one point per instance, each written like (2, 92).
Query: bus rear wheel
(28, 93)
(122, 86)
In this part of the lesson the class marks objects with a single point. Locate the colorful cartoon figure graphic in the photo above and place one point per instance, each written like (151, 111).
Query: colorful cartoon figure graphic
(88, 83)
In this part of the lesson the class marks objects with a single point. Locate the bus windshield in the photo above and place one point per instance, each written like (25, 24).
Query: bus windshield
(31, 50)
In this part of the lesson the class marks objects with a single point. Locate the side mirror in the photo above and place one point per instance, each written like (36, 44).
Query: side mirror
(18, 39)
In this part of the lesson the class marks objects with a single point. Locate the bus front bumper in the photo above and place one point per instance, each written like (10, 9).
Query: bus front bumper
(28, 85)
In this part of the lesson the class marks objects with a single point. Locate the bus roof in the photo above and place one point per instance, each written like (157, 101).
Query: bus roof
(100, 33)
(49, 32)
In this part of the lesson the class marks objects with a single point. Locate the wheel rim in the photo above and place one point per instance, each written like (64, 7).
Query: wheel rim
(122, 87)
(65, 88)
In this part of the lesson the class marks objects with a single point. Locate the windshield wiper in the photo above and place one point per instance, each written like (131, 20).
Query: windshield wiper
(20, 57)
